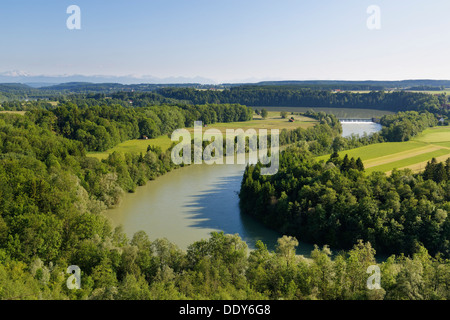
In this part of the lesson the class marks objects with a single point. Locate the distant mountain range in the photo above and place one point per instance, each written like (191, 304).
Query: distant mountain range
(37, 81)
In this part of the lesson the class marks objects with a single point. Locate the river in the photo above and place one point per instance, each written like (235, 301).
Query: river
(359, 127)
(187, 204)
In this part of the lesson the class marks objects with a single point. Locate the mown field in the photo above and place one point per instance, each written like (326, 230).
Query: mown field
(14, 112)
(342, 113)
(414, 154)
(446, 91)
(134, 146)
(273, 121)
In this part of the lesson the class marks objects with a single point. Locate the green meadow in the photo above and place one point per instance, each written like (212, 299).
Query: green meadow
(14, 112)
(413, 154)
(134, 146)
(341, 113)
(416, 162)
(273, 121)
(378, 150)
(434, 135)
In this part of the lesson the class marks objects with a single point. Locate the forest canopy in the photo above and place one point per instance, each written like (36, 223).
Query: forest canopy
(52, 200)
(336, 203)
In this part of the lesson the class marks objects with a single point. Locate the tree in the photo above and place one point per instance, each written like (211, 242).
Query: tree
(264, 113)
(286, 248)
(322, 272)
(148, 127)
(359, 164)
(339, 143)
(133, 288)
(440, 174)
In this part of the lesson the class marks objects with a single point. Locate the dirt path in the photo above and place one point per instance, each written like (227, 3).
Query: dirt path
(401, 155)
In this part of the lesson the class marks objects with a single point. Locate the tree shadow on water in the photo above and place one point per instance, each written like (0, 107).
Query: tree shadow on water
(218, 208)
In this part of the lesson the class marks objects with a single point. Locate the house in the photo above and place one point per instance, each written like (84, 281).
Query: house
(144, 137)
(291, 119)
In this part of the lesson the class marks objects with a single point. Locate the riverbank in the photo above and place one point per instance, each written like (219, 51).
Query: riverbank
(273, 121)
(187, 204)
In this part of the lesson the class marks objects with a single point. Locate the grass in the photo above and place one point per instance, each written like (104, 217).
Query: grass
(378, 150)
(443, 144)
(446, 91)
(14, 112)
(414, 154)
(134, 146)
(420, 160)
(273, 121)
(434, 135)
(343, 113)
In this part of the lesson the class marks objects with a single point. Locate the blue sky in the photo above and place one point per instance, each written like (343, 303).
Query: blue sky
(228, 40)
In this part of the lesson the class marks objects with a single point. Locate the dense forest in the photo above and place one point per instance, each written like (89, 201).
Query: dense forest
(16, 91)
(102, 127)
(272, 96)
(336, 203)
(405, 125)
(51, 217)
(53, 200)
(256, 95)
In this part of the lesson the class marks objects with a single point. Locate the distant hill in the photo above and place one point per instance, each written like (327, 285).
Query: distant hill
(39, 90)
(87, 87)
(43, 80)
(362, 85)
(20, 91)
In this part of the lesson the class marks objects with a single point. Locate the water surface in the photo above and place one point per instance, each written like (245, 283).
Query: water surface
(359, 128)
(187, 204)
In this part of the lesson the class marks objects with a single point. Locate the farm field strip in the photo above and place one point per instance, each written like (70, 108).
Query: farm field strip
(405, 163)
(14, 112)
(375, 151)
(413, 154)
(347, 113)
(421, 166)
(400, 156)
(443, 144)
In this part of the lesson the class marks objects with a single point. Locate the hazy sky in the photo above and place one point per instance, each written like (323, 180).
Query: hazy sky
(231, 40)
